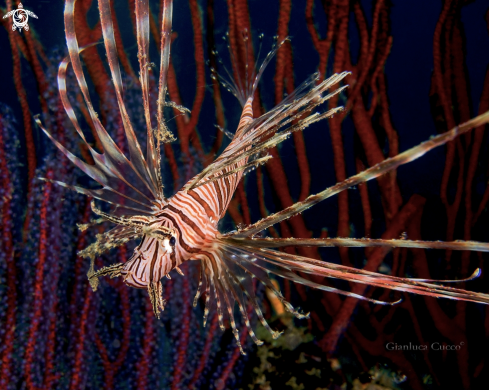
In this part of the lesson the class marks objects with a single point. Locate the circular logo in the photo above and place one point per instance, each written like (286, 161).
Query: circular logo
(20, 18)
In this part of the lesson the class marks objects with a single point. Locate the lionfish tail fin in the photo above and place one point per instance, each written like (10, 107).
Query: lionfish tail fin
(255, 137)
(243, 81)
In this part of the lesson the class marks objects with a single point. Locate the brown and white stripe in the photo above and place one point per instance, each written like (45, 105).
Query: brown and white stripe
(193, 215)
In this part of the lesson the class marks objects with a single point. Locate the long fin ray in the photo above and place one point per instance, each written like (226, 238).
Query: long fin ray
(142, 35)
(114, 159)
(102, 195)
(136, 155)
(246, 151)
(330, 270)
(359, 243)
(91, 170)
(290, 109)
(279, 269)
(237, 290)
(252, 164)
(369, 174)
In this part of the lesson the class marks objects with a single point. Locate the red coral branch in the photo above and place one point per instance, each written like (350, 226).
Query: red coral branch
(180, 361)
(21, 94)
(79, 360)
(342, 318)
(8, 250)
(37, 304)
(143, 365)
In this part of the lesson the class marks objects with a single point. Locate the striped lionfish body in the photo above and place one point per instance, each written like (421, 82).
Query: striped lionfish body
(192, 216)
(185, 226)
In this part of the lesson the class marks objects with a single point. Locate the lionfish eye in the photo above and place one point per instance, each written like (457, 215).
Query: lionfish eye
(172, 241)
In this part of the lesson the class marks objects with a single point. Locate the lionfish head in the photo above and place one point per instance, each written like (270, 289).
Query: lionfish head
(154, 257)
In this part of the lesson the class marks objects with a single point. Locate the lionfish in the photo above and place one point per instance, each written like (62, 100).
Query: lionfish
(185, 226)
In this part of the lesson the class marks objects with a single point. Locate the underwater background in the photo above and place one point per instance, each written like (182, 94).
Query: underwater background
(419, 68)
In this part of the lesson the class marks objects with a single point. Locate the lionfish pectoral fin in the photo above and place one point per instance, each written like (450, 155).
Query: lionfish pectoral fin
(155, 292)
(227, 283)
(265, 263)
(268, 242)
(287, 266)
(199, 288)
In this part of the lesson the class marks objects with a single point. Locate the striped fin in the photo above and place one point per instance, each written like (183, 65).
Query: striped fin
(252, 164)
(200, 286)
(359, 243)
(258, 263)
(97, 157)
(95, 173)
(228, 283)
(224, 289)
(254, 137)
(63, 93)
(166, 23)
(368, 174)
(90, 170)
(113, 160)
(227, 275)
(219, 180)
(224, 175)
(142, 34)
(244, 86)
(104, 196)
(243, 152)
(136, 154)
(285, 265)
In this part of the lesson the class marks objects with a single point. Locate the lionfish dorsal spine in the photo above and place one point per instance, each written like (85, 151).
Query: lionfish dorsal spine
(142, 36)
